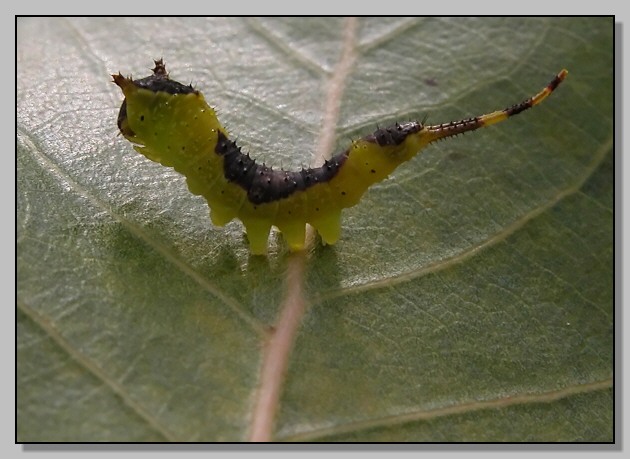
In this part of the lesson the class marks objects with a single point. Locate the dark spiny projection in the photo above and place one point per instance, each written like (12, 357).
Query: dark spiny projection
(456, 127)
(557, 80)
(262, 183)
(518, 108)
(393, 135)
(160, 81)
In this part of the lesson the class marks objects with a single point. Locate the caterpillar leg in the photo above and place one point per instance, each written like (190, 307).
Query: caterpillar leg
(258, 235)
(221, 216)
(294, 232)
(328, 226)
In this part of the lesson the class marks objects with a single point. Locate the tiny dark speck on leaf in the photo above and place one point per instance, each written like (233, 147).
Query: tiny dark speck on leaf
(456, 156)
(431, 81)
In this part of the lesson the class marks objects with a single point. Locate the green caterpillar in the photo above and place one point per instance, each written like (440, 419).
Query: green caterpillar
(172, 124)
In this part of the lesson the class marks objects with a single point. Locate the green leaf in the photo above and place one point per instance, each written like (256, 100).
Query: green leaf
(469, 299)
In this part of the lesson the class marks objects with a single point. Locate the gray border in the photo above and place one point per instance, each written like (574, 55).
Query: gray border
(618, 233)
(483, 447)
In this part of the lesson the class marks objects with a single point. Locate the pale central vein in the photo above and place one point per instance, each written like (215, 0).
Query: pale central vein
(279, 346)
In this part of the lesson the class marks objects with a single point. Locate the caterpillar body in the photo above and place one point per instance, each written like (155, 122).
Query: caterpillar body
(172, 124)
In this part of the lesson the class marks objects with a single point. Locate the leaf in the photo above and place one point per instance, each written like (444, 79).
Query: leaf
(469, 299)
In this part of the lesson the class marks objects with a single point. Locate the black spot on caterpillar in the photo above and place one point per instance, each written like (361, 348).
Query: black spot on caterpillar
(172, 124)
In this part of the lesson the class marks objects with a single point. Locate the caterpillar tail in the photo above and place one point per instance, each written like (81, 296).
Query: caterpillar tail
(442, 131)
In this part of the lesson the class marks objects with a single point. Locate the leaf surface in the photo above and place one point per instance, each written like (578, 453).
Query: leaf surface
(469, 299)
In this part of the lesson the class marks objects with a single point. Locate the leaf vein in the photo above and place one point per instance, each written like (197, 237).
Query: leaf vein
(84, 361)
(458, 409)
(472, 251)
(140, 233)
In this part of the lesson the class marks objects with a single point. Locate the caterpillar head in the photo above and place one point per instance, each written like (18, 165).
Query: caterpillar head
(149, 103)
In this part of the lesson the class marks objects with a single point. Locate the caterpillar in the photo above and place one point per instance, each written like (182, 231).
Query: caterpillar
(171, 123)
